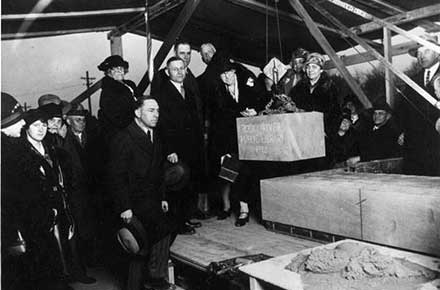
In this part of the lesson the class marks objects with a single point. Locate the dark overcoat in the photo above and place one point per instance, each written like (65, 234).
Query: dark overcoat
(380, 143)
(135, 179)
(117, 104)
(422, 142)
(322, 99)
(179, 124)
(80, 182)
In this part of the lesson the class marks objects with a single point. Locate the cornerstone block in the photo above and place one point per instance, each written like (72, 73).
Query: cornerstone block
(282, 137)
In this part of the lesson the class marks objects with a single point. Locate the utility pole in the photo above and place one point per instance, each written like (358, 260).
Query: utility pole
(89, 80)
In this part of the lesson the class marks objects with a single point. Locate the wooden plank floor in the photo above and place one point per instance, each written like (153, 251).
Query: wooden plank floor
(220, 240)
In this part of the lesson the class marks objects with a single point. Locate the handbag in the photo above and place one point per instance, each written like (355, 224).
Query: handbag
(229, 168)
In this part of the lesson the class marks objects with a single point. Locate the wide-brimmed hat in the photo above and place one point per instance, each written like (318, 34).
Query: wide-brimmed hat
(176, 176)
(132, 237)
(52, 110)
(77, 110)
(12, 112)
(112, 61)
(225, 65)
(54, 99)
(427, 37)
(315, 58)
(34, 115)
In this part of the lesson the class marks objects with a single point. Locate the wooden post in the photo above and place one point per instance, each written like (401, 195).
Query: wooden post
(389, 76)
(173, 34)
(320, 38)
(116, 45)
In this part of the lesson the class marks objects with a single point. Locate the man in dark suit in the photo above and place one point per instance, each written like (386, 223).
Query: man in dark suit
(419, 118)
(182, 49)
(136, 183)
(181, 130)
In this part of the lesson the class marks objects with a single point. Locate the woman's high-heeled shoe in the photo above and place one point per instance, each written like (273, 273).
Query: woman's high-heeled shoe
(242, 219)
(224, 214)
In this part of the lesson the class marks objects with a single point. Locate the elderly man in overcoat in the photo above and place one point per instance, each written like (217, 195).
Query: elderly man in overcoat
(136, 183)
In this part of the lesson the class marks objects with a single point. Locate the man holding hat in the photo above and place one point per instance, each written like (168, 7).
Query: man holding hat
(419, 118)
(135, 181)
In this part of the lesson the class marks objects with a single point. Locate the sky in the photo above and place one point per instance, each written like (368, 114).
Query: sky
(37, 66)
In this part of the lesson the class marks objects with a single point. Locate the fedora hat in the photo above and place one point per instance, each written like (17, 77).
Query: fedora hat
(112, 61)
(427, 37)
(176, 175)
(77, 110)
(12, 112)
(132, 237)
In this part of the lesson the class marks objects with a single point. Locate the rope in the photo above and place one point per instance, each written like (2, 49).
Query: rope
(278, 28)
(267, 31)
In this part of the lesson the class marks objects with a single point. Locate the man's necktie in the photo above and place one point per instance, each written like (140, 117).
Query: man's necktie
(428, 77)
(182, 91)
(149, 136)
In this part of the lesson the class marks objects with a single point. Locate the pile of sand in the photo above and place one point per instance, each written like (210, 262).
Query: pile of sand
(354, 262)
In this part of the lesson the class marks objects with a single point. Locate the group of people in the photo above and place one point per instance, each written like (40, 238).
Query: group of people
(140, 168)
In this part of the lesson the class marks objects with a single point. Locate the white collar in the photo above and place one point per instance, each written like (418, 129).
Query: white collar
(177, 85)
(37, 145)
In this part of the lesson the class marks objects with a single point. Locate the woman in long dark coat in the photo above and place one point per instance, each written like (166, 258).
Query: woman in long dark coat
(118, 101)
(239, 95)
(48, 226)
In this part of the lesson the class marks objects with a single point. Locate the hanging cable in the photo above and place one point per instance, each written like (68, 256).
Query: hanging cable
(353, 45)
(278, 28)
(267, 31)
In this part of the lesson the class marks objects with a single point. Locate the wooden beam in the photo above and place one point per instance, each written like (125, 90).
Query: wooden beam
(433, 101)
(353, 59)
(154, 11)
(10, 36)
(400, 18)
(173, 34)
(35, 16)
(426, 24)
(320, 38)
(87, 93)
(383, 23)
(260, 7)
(389, 77)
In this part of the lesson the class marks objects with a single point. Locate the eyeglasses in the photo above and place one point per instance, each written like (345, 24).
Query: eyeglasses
(118, 69)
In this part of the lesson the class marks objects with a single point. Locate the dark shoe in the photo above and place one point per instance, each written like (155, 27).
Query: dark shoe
(193, 224)
(242, 219)
(224, 214)
(187, 230)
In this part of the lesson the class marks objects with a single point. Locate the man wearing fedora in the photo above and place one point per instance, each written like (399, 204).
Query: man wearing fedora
(136, 183)
(421, 140)
(77, 144)
(380, 140)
